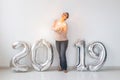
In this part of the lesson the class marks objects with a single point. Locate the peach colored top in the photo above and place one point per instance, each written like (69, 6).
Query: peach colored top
(60, 29)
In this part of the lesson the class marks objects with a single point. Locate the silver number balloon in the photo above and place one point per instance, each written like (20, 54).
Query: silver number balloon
(16, 59)
(97, 51)
(42, 66)
(81, 57)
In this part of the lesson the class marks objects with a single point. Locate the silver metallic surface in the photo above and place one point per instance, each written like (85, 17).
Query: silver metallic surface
(81, 51)
(48, 62)
(24, 51)
(98, 52)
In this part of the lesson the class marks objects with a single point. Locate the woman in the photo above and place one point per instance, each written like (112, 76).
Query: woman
(60, 28)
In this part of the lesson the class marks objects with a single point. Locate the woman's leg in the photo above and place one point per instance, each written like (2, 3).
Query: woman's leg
(64, 45)
(58, 46)
(61, 48)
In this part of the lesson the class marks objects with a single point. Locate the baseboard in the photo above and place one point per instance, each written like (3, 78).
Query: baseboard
(74, 68)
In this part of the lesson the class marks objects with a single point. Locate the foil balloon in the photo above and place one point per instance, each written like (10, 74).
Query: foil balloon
(81, 55)
(24, 51)
(42, 66)
(98, 52)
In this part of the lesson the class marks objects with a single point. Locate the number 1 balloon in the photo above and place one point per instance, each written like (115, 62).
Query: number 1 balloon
(81, 51)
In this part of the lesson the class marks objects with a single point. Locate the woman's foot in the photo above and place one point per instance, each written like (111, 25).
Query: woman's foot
(59, 69)
(65, 71)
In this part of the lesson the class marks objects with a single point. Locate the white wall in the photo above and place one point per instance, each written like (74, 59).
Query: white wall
(31, 20)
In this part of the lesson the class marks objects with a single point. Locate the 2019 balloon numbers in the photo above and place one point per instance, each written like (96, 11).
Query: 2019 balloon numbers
(96, 50)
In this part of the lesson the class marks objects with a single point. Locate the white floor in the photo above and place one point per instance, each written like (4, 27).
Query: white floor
(105, 74)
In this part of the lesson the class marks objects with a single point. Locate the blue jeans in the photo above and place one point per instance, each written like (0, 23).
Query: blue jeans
(61, 48)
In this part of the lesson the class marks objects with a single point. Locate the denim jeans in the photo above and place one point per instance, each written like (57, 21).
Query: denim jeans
(61, 48)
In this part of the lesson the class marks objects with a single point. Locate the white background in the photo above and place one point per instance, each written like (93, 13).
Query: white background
(31, 20)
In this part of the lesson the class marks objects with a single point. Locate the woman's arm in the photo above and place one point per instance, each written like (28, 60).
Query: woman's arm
(64, 28)
(54, 25)
(55, 28)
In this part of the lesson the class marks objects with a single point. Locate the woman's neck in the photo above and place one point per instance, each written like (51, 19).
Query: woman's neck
(61, 20)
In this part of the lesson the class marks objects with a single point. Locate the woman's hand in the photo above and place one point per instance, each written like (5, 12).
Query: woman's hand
(59, 29)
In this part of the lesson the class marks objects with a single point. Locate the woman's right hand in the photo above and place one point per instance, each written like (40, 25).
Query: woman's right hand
(59, 29)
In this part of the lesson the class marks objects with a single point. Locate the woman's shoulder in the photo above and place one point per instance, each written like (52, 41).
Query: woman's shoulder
(55, 20)
(65, 23)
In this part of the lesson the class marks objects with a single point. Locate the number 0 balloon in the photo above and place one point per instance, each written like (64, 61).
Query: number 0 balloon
(48, 62)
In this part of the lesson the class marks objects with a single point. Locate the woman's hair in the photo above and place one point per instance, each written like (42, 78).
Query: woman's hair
(67, 14)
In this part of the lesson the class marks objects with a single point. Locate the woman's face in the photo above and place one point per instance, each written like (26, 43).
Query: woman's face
(64, 16)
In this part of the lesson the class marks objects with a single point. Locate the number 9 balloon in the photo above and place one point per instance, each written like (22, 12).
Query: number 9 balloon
(97, 51)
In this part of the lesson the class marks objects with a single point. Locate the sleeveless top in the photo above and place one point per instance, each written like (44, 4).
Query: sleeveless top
(61, 36)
